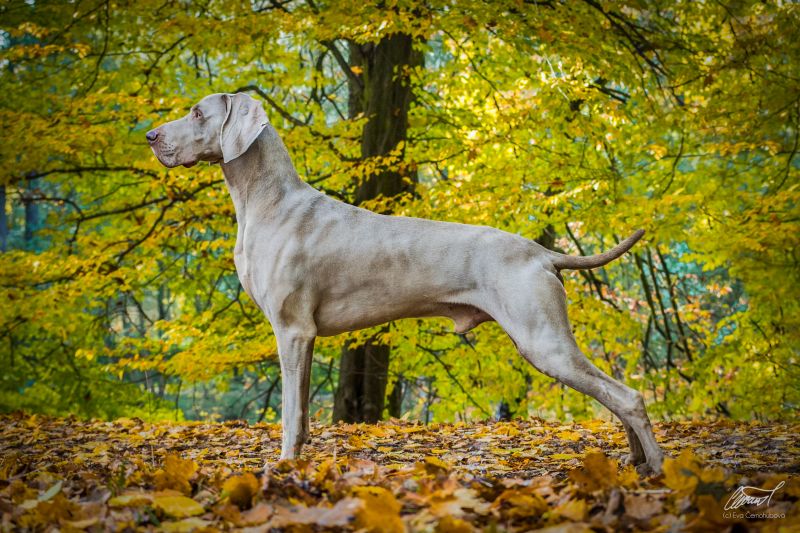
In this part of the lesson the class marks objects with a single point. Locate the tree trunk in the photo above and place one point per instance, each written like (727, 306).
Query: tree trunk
(3, 220)
(395, 407)
(380, 89)
(31, 215)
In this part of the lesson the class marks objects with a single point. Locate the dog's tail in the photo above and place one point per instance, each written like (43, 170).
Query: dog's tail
(572, 262)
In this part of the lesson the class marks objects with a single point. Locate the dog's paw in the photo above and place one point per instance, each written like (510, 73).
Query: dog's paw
(649, 469)
(633, 459)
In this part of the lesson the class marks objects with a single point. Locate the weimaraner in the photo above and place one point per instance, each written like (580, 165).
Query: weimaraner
(317, 266)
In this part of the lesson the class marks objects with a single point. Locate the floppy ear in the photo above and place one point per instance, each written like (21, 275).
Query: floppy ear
(244, 120)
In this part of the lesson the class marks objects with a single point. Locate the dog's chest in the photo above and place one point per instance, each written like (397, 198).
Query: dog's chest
(245, 271)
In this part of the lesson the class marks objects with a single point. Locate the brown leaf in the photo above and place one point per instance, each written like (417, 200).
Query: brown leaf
(642, 507)
(567, 527)
(259, 514)
(339, 515)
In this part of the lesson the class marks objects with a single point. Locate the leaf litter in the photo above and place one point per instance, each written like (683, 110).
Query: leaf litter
(75, 475)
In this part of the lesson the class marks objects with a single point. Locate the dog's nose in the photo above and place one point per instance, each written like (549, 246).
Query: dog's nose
(152, 136)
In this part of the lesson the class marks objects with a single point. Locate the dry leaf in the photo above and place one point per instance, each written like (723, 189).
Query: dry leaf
(175, 474)
(642, 507)
(380, 512)
(598, 473)
(681, 474)
(185, 526)
(448, 524)
(131, 499)
(178, 506)
(241, 490)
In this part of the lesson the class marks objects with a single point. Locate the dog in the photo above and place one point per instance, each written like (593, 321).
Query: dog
(316, 266)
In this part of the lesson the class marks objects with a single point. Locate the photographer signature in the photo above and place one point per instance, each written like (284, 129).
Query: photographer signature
(751, 496)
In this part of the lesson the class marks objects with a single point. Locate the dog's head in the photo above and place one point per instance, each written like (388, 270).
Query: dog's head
(221, 127)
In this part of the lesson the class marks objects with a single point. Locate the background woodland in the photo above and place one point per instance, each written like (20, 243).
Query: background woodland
(569, 122)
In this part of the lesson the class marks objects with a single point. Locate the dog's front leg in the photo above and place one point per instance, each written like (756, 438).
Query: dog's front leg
(295, 349)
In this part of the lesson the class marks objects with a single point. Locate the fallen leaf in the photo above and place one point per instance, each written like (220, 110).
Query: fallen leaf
(681, 474)
(448, 524)
(339, 515)
(175, 474)
(598, 473)
(51, 492)
(185, 526)
(520, 503)
(131, 499)
(434, 465)
(241, 490)
(178, 506)
(575, 510)
(259, 514)
(380, 512)
(642, 507)
(82, 524)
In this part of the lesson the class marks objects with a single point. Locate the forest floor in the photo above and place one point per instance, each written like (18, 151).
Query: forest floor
(70, 474)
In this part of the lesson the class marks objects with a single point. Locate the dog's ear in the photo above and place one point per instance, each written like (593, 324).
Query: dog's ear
(244, 120)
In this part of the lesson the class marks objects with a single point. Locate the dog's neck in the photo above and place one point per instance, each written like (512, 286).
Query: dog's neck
(264, 173)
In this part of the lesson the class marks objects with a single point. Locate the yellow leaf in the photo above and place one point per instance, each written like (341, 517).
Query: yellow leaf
(628, 477)
(241, 490)
(82, 524)
(521, 503)
(448, 524)
(575, 510)
(598, 472)
(185, 526)
(681, 474)
(572, 436)
(564, 456)
(175, 474)
(130, 499)
(434, 465)
(380, 512)
(658, 151)
(178, 506)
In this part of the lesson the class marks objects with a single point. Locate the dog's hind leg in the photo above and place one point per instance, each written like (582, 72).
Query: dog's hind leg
(637, 455)
(543, 336)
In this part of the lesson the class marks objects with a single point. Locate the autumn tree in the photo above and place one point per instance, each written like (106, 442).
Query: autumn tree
(379, 89)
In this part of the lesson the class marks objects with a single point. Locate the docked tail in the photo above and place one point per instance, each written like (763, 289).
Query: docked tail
(572, 262)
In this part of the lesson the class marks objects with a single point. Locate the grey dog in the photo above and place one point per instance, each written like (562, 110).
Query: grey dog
(317, 266)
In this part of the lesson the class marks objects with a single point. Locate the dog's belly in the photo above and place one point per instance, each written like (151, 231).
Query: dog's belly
(333, 319)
